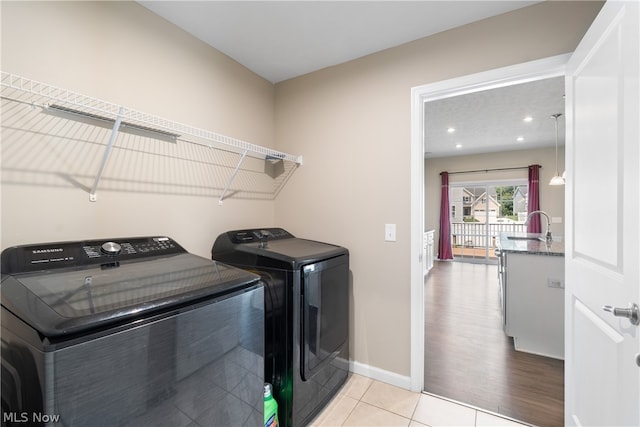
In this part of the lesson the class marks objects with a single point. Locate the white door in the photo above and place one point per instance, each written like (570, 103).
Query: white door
(602, 372)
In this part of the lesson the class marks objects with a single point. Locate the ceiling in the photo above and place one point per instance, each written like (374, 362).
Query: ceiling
(280, 40)
(493, 120)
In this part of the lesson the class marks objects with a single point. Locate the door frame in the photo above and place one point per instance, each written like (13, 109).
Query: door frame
(500, 77)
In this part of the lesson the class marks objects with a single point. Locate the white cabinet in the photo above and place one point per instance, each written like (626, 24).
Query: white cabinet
(428, 251)
(534, 303)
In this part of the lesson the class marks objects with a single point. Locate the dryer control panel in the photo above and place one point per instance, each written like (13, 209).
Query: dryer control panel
(259, 235)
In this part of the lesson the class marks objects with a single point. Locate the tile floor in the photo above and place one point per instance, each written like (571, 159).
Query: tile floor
(366, 402)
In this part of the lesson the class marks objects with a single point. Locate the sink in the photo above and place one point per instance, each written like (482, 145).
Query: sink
(541, 239)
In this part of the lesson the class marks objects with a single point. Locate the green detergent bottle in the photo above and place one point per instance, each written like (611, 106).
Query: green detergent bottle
(270, 408)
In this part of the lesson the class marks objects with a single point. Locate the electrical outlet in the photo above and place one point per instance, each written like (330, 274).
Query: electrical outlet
(390, 232)
(555, 283)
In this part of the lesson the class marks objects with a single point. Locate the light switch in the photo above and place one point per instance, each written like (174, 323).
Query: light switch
(390, 232)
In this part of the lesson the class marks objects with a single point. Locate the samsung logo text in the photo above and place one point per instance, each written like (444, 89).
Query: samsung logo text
(45, 251)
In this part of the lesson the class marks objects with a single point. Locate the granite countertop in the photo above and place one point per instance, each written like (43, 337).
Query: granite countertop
(530, 243)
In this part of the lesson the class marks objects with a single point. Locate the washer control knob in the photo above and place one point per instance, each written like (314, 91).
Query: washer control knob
(111, 248)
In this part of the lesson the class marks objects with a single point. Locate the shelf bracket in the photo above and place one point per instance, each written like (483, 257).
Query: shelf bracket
(233, 176)
(107, 152)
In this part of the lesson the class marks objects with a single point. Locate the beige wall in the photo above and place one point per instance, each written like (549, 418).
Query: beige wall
(352, 125)
(350, 122)
(551, 197)
(122, 53)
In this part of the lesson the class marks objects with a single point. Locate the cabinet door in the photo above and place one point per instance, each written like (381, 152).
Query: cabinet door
(535, 303)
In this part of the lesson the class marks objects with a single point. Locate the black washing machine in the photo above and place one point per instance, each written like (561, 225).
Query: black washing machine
(306, 315)
(132, 331)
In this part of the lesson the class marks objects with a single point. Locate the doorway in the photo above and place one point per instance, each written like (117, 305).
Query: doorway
(522, 73)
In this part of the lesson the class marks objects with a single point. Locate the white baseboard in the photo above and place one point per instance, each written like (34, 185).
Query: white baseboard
(380, 375)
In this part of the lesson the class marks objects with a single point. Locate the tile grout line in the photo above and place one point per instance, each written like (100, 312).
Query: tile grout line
(358, 401)
(389, 411)
(410, 418)
(415, 409)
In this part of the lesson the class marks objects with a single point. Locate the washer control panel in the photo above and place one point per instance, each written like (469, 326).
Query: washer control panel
(67, 254)
(131, 247)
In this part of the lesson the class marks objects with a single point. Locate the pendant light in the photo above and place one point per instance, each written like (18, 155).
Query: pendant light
(557, 179)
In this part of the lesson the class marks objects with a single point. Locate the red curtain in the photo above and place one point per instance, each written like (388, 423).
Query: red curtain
(444, 245)
(533, 203)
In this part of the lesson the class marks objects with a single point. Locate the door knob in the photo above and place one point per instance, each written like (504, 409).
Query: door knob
(631, 313)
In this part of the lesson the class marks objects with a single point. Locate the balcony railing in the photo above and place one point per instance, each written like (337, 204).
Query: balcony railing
(476, 239)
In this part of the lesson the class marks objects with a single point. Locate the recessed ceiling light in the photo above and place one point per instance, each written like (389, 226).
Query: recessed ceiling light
(528, 119)
(520, 139)
(451, 130)
(458, 145)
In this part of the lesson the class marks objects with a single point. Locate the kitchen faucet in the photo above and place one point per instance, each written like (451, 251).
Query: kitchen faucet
(548, 234)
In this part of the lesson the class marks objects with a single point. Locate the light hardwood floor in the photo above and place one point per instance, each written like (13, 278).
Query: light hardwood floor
(468, 358)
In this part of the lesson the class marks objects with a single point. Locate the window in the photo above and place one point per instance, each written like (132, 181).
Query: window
(487, 210)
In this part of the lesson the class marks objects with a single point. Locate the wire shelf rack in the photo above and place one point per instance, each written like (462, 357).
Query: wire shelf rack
(55, 117)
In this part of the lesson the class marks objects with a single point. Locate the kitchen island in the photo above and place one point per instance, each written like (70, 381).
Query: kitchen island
(531, 286)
